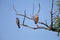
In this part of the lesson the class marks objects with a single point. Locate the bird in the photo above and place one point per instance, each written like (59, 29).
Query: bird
(36, 19)
(36, 16)
(17, 22)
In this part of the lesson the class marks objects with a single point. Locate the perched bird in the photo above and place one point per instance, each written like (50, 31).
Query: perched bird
(17, 22)
(36, 16)
(36, 19)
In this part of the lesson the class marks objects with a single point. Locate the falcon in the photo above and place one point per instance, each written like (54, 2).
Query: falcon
(36, 19)
(17, 22)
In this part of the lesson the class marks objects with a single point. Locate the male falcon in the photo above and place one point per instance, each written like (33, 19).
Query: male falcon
(17, 22)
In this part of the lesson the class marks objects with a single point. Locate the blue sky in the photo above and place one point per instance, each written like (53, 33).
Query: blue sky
(9, 29)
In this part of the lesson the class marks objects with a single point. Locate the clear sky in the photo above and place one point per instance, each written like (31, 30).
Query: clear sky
(9, 29)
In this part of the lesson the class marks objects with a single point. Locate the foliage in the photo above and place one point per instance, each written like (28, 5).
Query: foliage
(57, 23)
(58, 2)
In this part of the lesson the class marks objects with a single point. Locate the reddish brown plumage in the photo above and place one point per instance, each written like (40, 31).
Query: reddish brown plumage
(36, 19)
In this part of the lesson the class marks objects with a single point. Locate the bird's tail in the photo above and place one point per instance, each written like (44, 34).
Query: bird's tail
(35, 22)
(18, 26)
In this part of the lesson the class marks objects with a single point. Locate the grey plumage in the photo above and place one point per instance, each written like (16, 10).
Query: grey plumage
(17, 22)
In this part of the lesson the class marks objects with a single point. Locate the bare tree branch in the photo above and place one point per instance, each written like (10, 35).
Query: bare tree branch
(24, 17)
(33, 9)
(14, 9)
(52, 15)
(39, 6)
(38, 10)
(39, 27)
(43, 24)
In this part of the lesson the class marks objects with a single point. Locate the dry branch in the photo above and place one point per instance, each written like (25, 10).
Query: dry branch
(24, 17)
(39, 27)
(52, 15)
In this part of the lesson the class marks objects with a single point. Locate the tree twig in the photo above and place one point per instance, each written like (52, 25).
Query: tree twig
(55, 12)
(43, 24)
(24, 17)
(38, 10)
(14, 9)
